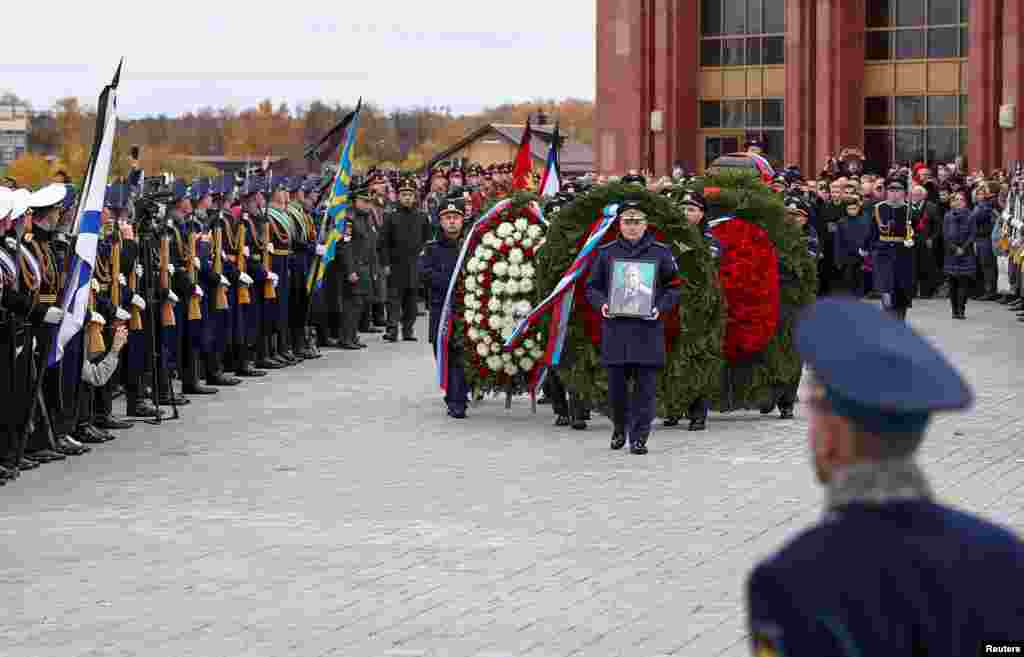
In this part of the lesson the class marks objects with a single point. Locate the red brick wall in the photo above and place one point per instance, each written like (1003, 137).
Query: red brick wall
(621, 84)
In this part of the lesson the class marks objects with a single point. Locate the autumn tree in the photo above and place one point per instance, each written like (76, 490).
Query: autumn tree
(30, 170)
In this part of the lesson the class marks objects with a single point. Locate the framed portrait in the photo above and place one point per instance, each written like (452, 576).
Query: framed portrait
(633, 287)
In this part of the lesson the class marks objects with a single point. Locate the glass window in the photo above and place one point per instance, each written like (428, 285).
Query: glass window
(774, 16)
(878, 45)
(965, 6)
(879, 14)
(754, 52)
(943, 42)
(942, 110)
(732, 52)
(910, 110)
(754, 12)
(963, 141)
(711, 52)
(711, 17)
(877, 110)
(710, 114)
(963, 110)
(774, 50)
(909, 44)
(878, 148)
(943, 12)
(732, 113)
(735, 16)
(942, 144)
(909, 13)
(775, 144)
(964, 41)
(772, 111)
(754, 113)
(909, 145)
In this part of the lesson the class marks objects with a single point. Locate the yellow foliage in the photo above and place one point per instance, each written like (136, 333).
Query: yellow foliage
(30, 170)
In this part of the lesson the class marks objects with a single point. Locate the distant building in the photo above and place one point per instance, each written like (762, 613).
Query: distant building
(499, 142)
(14, 120)
(230, 164)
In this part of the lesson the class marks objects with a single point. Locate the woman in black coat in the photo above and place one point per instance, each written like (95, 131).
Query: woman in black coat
(959, 264)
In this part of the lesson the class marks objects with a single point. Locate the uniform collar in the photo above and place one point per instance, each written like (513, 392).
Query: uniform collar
(646, 239)
(878, 482)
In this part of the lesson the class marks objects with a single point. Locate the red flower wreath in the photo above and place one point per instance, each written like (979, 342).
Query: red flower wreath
(748, 272)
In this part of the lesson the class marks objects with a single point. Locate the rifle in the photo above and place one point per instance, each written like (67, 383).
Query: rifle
(244, 297)
(221, 295)
(167, 308)
(94, 330)
(268, 285)
(195, 310)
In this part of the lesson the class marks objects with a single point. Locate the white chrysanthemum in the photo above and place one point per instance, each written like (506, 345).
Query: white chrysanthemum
(522, 224)
(468, 300)
(536, 354)
(482, 350)
(523, 308)
(520, 352)
(512, 288)
(507, 331)
(479, 252)
(527, 243)
(489, 238)
(480, 278)
(505, 229)
(507, 357)
(526, 364)
(516, 256)
(500, 269)
(533, 232)
(494, 363)
(473, 266)
(508, 306)
(511, 241)
(497, 288)
(488, 254)
(470, 316)
(515, 271)
(529, 344)
(525, 286)
(473, 334)
(511, 369)
(494, 305)
(517, 236)
(470, 284)
(494, 322)
(527, 271)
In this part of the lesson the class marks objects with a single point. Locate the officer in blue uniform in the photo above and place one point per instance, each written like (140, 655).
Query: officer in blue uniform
(888, 570)
(633, 348)
(695, 207)
(436, 267)
(891, 244)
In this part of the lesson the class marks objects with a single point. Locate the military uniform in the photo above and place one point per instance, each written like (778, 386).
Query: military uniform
(221, 294)
(888, 570)
(891, 244)
(402, 237)
(633, 348)
(359, 257)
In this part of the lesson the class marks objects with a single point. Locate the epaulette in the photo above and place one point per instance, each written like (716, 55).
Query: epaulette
(660, 243)
(431, 243)
(605, 246)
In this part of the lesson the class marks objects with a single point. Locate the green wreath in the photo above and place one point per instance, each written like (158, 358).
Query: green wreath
(694, 359)
(743, 195)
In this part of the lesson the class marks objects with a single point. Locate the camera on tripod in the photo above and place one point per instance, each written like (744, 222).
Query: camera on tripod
(151, 212)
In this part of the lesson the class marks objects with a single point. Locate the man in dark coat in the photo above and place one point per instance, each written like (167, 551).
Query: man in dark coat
(633, 348)
(436, 266)
(888, 570)
(927, 224)
(403, 235)
(959, 264)
(983, 217)
(359, 258)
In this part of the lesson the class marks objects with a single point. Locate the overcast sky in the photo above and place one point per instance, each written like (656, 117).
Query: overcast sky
(187, 54)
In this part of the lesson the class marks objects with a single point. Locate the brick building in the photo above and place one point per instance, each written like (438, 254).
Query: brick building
(905, 80)
(493, 143)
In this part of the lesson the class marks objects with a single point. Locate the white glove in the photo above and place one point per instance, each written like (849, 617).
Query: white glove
(225, 282)
(245, 279)
(122, 280)
(97, 318)
(138, 302)
(908, 243)
(171, 296)
(273, 278)
(138, 270)
(95, 285)
(195, 262)
(123, 315)
(245, 252)
(53, 315)
(11, 243)
(321, 249)
(170, 269)
(198, 291)
(862, 253)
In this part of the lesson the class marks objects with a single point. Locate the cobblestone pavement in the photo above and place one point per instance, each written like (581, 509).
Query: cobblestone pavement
(333, 509)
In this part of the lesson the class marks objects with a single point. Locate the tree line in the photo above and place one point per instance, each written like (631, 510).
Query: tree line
(404, 138)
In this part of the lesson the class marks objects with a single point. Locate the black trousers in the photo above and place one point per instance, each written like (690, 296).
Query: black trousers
(402, 308)
(351, 318)
(633, 412)
(959, 290)
(564, 401)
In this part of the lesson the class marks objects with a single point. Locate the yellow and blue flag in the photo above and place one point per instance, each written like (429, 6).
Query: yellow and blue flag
(338, 203)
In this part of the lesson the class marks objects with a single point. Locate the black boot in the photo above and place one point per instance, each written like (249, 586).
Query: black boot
(618, 438)
(639, 445)
(671, 421)
(391, 335)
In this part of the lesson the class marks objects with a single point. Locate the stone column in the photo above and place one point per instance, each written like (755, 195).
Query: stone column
(984, 84)
(801, 98)
(620, 114)
(1013, 86)
(839, 78)
(674, 42)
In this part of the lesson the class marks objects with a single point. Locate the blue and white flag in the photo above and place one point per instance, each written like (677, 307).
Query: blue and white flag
(87, 223)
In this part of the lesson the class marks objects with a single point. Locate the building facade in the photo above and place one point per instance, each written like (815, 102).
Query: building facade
(13, 133)
(495, 143)
(680, 82)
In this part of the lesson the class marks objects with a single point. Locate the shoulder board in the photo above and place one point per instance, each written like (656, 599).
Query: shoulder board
(432, 243)
(661, 244)
(605, 246)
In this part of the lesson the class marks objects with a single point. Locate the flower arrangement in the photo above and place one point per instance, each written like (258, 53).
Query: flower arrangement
(495, 290)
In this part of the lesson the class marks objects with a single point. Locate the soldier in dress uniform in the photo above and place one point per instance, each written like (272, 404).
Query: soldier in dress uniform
(891, 244)
(403, 235)
(217, 273)
(888, 570)
(304, 257)
(436, 268)
(281, 234)
(248, 256)
(633, 348)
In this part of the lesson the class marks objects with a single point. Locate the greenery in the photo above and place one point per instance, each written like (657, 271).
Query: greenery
(695, 357)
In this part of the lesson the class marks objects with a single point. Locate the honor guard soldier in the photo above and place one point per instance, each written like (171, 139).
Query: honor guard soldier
(247, 257)
(891, 244)
(403, 235)
(633, 348)
(219, 292)
(278, 232)
(304, 255)
(888, 570)
(437, 267)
